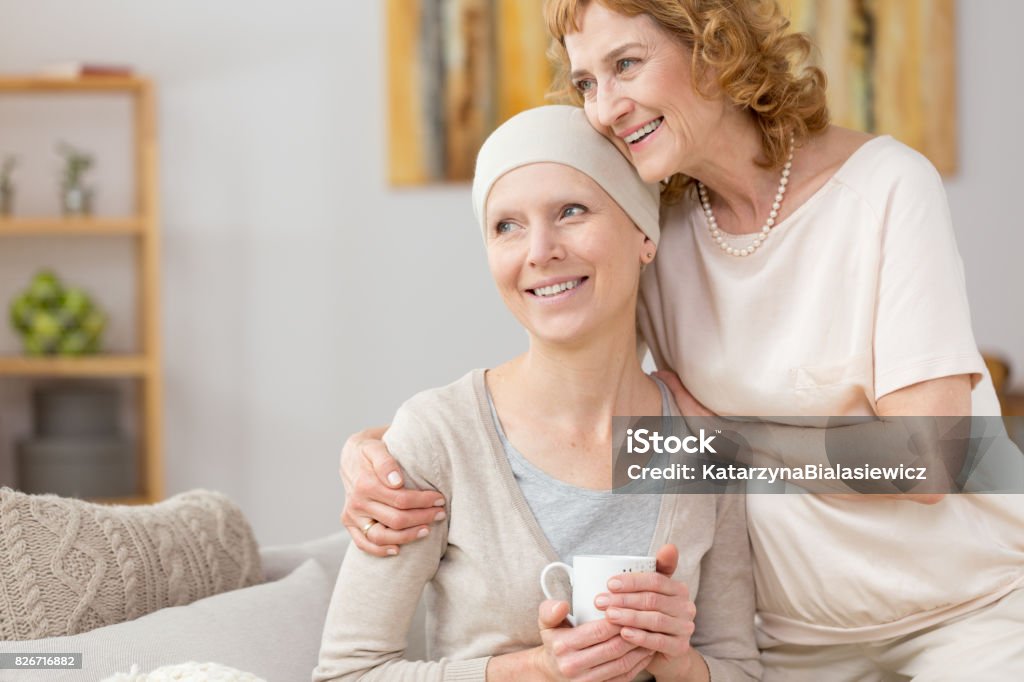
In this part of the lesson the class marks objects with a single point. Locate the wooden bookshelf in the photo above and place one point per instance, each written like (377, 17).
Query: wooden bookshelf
(56, 84)
(86, 227)
(143, 226)
(87, 366)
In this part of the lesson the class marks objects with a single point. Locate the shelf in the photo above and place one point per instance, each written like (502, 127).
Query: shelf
(87, 227)
(91, 366)
(126, 84)
(143, 230)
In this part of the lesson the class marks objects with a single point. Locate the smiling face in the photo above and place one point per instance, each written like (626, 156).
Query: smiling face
(636, 83)
(565, 257)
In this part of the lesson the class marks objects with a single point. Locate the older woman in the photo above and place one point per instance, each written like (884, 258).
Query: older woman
(521, 449)
(805, 270)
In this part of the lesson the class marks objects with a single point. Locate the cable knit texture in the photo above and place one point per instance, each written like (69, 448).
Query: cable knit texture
(69, 566)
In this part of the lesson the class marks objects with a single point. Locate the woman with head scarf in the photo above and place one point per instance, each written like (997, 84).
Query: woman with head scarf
(521, 452)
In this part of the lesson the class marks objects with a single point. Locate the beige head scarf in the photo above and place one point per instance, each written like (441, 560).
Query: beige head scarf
(561, 134)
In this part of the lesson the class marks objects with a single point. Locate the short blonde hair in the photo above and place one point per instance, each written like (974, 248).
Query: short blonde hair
(760, 64)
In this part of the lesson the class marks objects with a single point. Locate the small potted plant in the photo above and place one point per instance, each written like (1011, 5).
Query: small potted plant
(76, 198)
(6, 186)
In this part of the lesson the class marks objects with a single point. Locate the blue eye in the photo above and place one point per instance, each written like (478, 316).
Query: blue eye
(504, 227)
(573, 210)
(584, 85)
(624, 64)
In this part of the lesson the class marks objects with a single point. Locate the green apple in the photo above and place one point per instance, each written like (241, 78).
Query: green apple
(76, 302)
(21, 313)
(93, 323)
(74, 343)
(45, 289)
(34, 346)
(45, 326)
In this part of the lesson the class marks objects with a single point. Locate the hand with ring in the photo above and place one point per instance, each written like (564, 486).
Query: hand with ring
(380, 514)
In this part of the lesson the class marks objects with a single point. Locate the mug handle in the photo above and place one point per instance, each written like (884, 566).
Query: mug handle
(543, 584)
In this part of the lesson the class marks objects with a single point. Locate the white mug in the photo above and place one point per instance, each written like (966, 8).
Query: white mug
(589, 576)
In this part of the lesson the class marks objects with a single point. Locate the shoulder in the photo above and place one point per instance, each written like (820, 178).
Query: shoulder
(884, 165)
(436, 412)
(445, 400)
(435, 429)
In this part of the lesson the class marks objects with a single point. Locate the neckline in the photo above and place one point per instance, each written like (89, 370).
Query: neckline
(825, 186)
(515, 494)
(543, 476)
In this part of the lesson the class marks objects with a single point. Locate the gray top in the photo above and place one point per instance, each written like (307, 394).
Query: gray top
(581, 520)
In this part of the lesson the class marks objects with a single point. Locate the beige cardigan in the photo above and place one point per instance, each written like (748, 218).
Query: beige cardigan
(481, 568)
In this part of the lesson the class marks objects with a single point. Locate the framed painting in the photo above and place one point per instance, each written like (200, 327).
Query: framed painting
(459, 68)
(456, 70)
(891, 67)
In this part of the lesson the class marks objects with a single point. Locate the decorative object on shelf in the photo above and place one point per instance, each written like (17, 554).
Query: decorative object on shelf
(7, 166)
(54, 320)
(76, 198)
(85, 70)
(77, 449)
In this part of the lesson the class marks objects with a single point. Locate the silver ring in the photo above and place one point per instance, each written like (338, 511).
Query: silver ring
(367, 527)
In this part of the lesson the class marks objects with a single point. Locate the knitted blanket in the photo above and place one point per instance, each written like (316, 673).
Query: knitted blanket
(69, 566)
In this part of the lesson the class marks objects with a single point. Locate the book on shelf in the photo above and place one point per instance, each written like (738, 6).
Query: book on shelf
(85, 70)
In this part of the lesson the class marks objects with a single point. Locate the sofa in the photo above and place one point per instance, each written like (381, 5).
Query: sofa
(270, 629)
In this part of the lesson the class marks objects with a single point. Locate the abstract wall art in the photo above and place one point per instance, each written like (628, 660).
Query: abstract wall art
(456, 70)
(459, 68)
(891, 67)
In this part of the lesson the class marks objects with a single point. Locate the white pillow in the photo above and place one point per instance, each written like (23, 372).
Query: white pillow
(190, 672)
(271, 630)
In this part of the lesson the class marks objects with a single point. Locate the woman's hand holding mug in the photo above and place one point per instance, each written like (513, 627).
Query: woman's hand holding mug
(655, 612)
(589, 652)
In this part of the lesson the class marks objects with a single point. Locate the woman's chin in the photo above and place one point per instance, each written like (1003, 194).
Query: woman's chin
(556, 336)
(650, 171)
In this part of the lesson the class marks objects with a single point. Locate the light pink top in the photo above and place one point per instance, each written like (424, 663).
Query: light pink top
(858, 293)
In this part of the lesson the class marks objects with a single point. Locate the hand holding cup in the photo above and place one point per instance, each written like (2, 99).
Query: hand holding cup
(589, 652)
(656, 613)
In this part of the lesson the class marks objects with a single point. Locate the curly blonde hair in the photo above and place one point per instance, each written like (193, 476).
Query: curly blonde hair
(757, 63)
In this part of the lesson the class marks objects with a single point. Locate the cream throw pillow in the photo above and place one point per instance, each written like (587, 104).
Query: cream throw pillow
(69, 566)
(192, 672)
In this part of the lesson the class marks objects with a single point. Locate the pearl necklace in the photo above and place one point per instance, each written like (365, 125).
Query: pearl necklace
(766, 229)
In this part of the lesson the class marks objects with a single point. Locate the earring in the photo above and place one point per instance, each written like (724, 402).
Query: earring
(649, 256)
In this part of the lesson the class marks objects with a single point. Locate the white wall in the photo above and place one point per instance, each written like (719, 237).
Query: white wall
(302, 297)
(984, 195)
